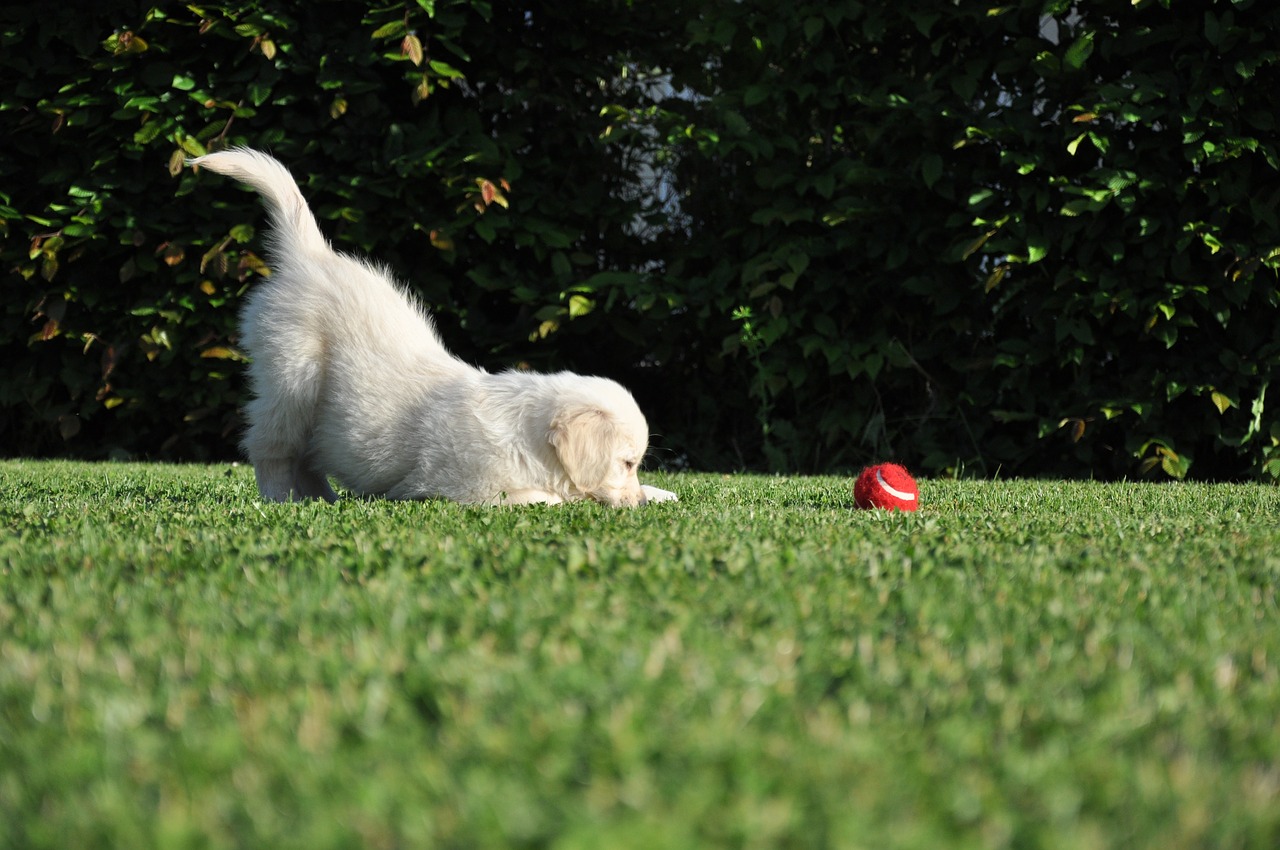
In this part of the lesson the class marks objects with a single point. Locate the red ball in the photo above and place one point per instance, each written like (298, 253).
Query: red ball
(888, 486)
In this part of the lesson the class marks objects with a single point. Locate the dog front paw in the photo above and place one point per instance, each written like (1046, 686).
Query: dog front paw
(653, 494)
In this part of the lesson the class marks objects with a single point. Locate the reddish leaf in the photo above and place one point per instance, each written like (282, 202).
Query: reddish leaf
(108, 361)
(412, 48)
(172, 254)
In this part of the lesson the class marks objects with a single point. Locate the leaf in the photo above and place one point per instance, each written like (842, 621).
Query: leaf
(150, 131)
(974, 246)
(173, 254)
(446, 70)
(1212, 29)
(222, 352)
(560, 266)
(826, 325)
(1079, 51)
(214, 255)
(580, 305)
(1046, 64)
(1037, 248)
(46, 247)
(1211, 242)
(931, 169)
(1221, 401)
(391, 30)
(192, 145)
(68, 425)
(126, 42)
(441, 241)
(1175, 465)
(250, 261)
(412, 48)
(981, 196)
(1258, 407)
(49, 331)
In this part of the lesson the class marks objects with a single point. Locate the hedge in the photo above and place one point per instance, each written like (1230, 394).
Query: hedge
(1027, 239)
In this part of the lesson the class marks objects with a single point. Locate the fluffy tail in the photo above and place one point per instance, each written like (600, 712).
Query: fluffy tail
(294, 225)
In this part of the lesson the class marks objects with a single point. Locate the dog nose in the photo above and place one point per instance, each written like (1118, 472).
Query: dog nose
(643, 500)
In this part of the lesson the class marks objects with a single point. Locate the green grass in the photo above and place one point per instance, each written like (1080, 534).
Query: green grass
(1020, 664)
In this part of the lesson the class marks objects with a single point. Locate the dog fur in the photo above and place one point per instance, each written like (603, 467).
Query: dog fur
(351, 380)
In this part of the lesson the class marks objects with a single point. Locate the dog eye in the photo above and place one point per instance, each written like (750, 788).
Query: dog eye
(629, 464)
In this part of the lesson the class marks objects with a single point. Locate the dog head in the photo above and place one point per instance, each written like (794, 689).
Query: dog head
(600, 441)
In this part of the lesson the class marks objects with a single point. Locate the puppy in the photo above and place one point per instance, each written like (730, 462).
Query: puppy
(351, 380)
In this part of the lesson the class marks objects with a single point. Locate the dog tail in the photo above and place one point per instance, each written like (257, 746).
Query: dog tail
(292, 220)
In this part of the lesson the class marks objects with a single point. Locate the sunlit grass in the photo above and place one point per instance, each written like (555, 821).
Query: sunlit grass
(1023, 664)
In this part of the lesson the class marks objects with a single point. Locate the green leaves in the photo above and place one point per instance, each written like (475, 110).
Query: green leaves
(859, 229)
(1168, 461)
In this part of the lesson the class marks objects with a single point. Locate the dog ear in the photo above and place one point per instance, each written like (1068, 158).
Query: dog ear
(585, 438)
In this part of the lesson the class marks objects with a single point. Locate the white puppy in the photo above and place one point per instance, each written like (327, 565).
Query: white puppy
(351, 380)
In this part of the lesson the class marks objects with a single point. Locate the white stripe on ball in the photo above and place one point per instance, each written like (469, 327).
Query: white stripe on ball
(888, 488)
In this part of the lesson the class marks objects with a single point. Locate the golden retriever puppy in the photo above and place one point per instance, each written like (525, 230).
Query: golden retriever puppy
(351, 380)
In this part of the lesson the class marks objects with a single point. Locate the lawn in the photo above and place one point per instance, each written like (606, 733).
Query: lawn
(1027, 664)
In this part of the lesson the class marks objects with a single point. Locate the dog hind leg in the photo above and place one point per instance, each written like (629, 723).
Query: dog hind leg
(311, 483)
